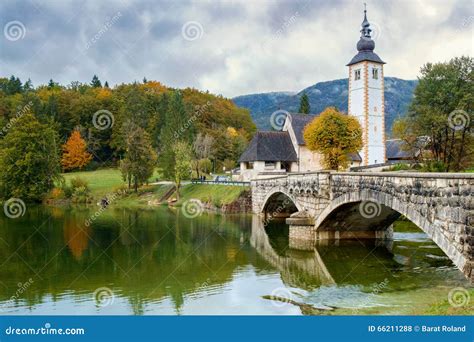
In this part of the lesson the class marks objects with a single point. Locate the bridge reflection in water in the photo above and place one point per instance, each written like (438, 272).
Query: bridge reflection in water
(402, 263)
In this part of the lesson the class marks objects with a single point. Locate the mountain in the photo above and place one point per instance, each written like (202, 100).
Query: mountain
(398, 94)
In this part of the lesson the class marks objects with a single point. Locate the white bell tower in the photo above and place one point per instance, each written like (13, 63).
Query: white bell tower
(366, 97)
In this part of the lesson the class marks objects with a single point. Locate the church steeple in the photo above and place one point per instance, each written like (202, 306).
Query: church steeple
(365, 45)
(366, 100)
(365, 25)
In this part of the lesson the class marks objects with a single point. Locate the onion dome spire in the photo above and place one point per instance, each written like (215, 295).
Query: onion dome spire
(365, 45)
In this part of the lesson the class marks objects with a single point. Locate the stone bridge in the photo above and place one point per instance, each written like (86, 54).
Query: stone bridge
(362, 205)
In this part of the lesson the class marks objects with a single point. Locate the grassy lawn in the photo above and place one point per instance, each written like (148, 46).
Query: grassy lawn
(100, 182)
(146, 194)
(216, 194)
(103, 181)
(106, 181)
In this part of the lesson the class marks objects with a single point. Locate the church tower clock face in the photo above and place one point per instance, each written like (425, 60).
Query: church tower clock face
(366, 96)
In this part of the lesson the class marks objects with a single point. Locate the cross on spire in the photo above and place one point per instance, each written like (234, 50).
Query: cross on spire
(365, 32)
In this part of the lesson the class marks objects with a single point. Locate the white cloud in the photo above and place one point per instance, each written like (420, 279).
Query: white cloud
(246, 47)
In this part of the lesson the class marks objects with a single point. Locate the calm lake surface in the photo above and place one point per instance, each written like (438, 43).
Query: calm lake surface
(161, 262)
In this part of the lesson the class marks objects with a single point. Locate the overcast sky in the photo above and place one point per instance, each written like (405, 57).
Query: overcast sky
(227, 47)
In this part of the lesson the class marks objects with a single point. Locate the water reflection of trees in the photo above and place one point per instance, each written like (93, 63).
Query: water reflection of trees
(145, 255)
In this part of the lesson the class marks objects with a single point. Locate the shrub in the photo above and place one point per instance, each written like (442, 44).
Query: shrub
(78, 182)
(434, 166)
(78, 191)
(400, 167)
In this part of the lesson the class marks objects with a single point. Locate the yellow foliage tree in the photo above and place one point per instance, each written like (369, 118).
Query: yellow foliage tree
(232, 132)
(75, 155)
(335, 135)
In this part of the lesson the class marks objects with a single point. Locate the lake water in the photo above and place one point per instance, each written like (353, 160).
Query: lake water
(147, 262)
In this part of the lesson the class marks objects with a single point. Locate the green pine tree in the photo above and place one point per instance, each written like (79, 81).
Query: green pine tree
(95, 83)
(304, 104)
(140, 157)
(177, 126)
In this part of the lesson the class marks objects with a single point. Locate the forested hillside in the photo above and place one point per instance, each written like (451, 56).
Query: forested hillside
(398, 95)
(101, 113)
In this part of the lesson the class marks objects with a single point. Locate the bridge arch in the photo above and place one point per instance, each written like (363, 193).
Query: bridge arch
(280, 203)
(387, 209)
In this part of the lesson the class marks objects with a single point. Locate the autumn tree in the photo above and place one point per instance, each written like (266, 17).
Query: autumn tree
(304, 104)
(140, 157)
(75, 155)
(334, 135)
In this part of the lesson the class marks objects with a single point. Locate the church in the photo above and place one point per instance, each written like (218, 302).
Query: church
(272, 153)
